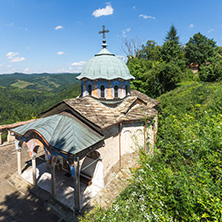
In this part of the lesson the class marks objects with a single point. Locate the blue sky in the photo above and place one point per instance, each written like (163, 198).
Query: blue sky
(61, 35)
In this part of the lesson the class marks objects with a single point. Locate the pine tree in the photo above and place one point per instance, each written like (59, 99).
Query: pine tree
(172, 35)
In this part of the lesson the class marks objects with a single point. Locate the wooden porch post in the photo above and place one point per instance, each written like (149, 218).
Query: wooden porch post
(53, 180)
(77, 187)
(19, 156)
(19, 160)
(34, 170)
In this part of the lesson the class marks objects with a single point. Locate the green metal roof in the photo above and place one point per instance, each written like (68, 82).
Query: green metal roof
(62, 132)
(105, 65)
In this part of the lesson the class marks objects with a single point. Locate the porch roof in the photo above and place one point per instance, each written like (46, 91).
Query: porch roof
(63, 132)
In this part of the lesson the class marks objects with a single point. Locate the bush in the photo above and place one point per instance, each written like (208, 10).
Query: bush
(211, 72)
(182, 180)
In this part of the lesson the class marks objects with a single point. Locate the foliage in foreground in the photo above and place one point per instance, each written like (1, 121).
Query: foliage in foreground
(182, 180)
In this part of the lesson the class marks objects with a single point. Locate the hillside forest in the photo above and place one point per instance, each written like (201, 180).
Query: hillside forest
(182, 179)
(23, 97)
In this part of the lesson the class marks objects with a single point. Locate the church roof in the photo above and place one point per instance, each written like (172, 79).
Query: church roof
(105, 65)
(131, 108)
(63, 132)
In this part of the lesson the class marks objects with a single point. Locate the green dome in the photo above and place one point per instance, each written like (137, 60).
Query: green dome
(105, 65)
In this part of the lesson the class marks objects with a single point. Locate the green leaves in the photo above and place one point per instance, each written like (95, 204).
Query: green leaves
(182, 180)
(200, 49)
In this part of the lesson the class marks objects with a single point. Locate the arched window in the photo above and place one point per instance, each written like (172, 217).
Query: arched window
(127, 90)
(102, 91)
(90, 89)
(116, 91)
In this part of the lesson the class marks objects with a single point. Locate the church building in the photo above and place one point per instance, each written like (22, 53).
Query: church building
(95, 135)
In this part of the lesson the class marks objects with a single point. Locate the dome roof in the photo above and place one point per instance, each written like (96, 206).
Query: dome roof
(105, 65)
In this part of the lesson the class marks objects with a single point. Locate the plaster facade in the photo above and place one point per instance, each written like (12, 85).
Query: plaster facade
(122, 143)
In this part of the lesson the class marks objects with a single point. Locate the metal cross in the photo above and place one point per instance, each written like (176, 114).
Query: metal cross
(103, 31)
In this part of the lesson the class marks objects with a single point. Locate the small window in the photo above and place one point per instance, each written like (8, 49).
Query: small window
(102, 91)
(127, 90)
(116, 91)
(90, 90)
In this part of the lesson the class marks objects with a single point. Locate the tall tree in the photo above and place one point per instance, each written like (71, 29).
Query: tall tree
(150, 51)
(200, 49)
(172, 35)
(171, 50)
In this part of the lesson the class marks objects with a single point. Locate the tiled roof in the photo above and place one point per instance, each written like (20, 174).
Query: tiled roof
(13, 125)
(150, 102)
(132, 108)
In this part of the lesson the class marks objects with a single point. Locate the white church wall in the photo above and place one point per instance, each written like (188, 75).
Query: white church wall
(98, 177)
(110, 150)
(132, 137)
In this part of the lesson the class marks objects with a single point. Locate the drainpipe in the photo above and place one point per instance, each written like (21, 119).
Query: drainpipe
(120, 154)
(0, 138)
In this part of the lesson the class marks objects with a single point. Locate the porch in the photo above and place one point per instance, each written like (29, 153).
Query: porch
(64, 185)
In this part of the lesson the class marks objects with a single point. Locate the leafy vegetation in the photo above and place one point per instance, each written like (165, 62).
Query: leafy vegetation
(182, 180)
(159, 69)
(35, 93)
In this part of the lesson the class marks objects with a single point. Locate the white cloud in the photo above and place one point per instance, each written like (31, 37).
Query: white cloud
(1, 65)
(58, 27)
(128, 29)
(124, 32)
(81, 63)
(108, 10)
(69, 69)
(12, 58)
(17, 59)
(146, 16)
(60, 53)
(191, 26)
(27, 70)
(211, 30)
(10, 55)
(10, 24)
(123, 58)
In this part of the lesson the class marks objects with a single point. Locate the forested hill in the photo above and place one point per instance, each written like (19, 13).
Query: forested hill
(24, 96)
(43, 81)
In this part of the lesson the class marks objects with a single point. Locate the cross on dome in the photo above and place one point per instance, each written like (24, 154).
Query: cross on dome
(103, 32)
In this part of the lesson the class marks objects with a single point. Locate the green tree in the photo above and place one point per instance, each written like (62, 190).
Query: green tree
(171, 50)
(211, 72)
(137, 68)
(200, 50)
(150, 51)
(172, 35)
